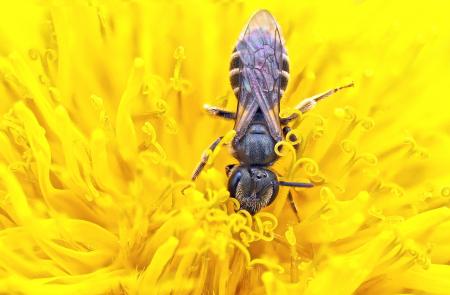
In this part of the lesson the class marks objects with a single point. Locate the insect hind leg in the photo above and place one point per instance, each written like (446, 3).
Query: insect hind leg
(309, 103)
(216, 111)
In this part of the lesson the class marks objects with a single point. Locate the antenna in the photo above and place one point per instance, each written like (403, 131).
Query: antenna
(295, 184)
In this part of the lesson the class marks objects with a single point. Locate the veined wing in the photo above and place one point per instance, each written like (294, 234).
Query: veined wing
(259, 73)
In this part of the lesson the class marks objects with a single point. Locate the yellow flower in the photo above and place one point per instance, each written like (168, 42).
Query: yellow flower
(102, 125)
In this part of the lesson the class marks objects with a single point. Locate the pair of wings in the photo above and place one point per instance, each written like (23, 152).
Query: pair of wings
(261, 50)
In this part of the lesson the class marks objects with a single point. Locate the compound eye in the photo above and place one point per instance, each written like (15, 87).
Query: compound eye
(233, 182)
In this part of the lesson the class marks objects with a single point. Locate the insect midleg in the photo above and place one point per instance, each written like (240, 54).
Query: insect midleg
(216, 111)
(310, 102)
(293, 138)
(204, 159)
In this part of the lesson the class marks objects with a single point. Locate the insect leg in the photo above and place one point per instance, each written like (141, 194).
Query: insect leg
(204, 159)
(228, 169)
(286, 130)
(293, 206)
(219, 112)
(310, 102)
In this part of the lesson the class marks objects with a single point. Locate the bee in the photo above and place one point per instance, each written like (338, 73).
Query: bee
(259, 74)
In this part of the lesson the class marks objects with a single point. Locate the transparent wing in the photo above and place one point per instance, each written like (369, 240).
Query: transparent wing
(260, 49)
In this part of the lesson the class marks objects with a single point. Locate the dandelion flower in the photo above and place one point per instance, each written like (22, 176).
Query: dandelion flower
(102, 125)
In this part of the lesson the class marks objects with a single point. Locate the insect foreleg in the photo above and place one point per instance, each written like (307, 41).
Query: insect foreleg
(310, 102)
(205, 157)
(293, 206)
(216, 111)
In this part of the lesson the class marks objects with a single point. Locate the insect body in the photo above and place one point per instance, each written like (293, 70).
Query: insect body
(259, 73)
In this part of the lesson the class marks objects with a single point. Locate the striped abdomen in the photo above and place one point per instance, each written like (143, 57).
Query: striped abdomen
(236, 66)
